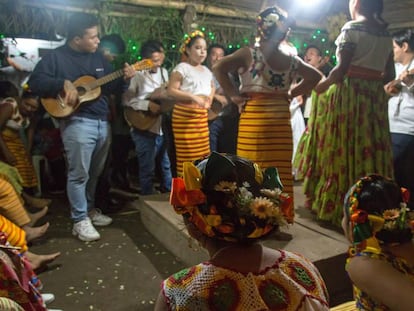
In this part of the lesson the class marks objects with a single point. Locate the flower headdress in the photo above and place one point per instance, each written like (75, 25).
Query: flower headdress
(188, 38)
(230, 198)
(269, 21)
(372, 228)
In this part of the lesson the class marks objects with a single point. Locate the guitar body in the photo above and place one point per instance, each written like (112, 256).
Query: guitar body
(57, 107)
(89, 88)
(138, 119)
(144, 120)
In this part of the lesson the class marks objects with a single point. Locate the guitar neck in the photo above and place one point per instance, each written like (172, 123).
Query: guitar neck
(141, 65)
(106, 79)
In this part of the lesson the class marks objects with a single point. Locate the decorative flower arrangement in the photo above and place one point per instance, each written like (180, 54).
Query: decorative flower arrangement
(269, 22)
(231, 201)
(366, 226)
(189, 37)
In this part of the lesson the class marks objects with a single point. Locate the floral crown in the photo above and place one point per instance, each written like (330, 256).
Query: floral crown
(231, 198)
(267, 24)
(365, 226)
(188, 38)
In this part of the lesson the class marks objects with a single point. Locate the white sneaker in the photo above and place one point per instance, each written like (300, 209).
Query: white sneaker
(85, 231)
(99, 219)
(48, 298)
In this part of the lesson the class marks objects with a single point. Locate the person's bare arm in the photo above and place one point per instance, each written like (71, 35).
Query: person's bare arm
(337, 74)
(6, 111)
(382, 282)
(212, 95)
(173, 90)
(310, 77)
(389, 71)
(238, 61)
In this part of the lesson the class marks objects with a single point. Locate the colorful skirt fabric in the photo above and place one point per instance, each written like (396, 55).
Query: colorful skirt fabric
(11, 174)
(9, 305)
(353, 142)
(307, 154)
(11, 206)
(265, 136)
(191, 134)
(17, 279)
(24, 165)
(346, 306)
(16, 236)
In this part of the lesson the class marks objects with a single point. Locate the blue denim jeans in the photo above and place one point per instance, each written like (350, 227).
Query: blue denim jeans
(215, 128)
(403, 153)
(151, 149)
(86, 143)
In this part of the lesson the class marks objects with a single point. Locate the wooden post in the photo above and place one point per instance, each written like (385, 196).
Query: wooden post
(189, 17)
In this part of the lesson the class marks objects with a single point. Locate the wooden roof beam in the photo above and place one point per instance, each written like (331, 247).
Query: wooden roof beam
(201, 8)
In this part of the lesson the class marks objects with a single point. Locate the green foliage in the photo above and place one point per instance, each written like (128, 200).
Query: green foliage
(160, 24)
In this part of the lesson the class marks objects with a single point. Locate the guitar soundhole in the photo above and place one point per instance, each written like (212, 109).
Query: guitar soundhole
(81, 90)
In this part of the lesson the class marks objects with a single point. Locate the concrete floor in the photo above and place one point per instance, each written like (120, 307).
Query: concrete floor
(120, 272)
(123, 270)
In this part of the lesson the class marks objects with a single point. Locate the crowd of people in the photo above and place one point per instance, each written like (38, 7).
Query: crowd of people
(217, 134)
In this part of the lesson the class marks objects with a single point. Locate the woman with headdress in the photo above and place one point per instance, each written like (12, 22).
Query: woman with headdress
(355, 138)
(191, 85)
(229, 204)
(15, 124)
(381, 264)
(266, 74)
(16, 138)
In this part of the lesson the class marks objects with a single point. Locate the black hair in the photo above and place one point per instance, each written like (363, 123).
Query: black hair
(241, 171)
(216, 46)
(29, 94)
(114, 43)
(78, 23)
(151, 46)
(275, 32)
(372, 8)
(376, 195)
(8, 89)
(402, 36)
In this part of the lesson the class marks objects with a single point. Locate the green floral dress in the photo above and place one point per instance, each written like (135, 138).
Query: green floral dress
(354, 139)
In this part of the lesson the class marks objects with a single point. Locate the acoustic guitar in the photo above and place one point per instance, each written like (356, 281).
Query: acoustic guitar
(89, 88)
(144, 120)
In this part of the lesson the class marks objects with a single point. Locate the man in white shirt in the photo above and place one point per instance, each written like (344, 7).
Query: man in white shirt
(144, 101)
(401, 110)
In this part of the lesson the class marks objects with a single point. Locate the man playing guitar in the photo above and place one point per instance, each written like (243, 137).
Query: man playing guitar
(86, 131)
(145, 100)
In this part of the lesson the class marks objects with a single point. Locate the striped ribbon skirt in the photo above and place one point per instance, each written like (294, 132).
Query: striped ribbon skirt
(24, 165)
(11, 206)
(15, 235)
(265, 136)
(191, 134)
